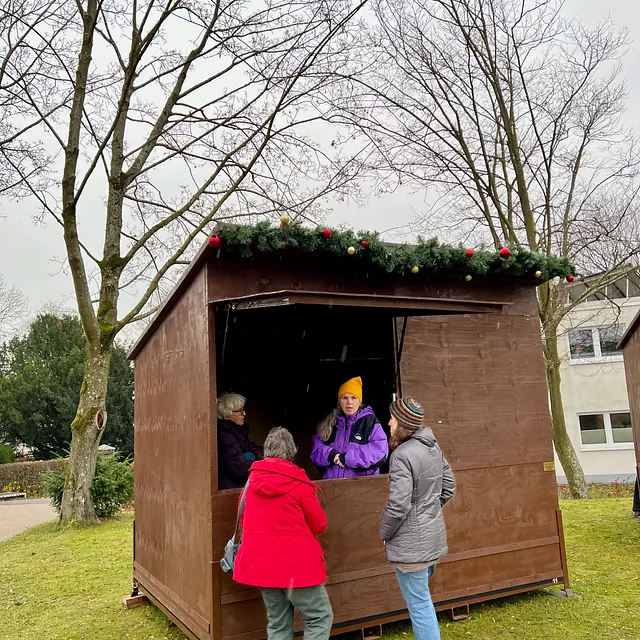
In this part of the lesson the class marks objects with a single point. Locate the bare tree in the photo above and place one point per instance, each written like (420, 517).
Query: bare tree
(14, 308)
(27, 61)
(513, 114)
(160, 119)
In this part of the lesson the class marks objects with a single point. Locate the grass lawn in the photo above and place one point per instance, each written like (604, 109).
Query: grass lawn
(66, 584)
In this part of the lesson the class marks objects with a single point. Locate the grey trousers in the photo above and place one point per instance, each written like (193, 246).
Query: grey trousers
(313, 605)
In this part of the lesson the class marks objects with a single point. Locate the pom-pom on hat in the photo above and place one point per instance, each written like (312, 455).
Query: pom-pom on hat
(353, 386)
(408, 412)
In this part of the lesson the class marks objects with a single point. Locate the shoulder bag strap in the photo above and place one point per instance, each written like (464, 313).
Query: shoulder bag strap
(240, 509)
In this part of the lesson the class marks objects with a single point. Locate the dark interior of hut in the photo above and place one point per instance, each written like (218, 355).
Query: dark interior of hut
(289, 361)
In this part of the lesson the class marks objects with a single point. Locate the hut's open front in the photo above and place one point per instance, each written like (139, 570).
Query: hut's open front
(285, 329)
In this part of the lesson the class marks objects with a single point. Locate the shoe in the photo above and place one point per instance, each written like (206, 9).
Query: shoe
(636, 514)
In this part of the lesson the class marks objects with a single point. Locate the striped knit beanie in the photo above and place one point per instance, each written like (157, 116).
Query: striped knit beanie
(408, 412)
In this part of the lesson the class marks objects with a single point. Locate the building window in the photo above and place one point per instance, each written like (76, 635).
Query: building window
(587, 344)
(592, 429)
(621, 427)
(606, 430)
(581, 344)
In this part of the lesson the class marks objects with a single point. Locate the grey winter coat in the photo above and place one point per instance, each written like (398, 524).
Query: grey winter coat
(420, 484)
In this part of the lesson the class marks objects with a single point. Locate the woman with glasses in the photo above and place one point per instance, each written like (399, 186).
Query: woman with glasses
(236, 451)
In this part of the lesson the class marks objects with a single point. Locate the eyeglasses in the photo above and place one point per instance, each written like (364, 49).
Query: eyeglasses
(240, 412)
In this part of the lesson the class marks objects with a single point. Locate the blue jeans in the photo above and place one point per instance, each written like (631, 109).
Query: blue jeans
(415, 591)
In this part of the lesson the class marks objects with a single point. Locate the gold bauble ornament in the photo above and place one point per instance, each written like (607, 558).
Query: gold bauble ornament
(468, 278)
(538, 274)
(285, 219)
(415, 269)
(351, 250)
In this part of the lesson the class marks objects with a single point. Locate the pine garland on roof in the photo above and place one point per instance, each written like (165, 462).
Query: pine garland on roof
(425, 257)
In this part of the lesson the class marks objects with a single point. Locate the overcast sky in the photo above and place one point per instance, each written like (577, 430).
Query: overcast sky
(31, 255)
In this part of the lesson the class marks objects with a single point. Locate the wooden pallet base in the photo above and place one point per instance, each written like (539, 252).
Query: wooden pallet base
(132, 602)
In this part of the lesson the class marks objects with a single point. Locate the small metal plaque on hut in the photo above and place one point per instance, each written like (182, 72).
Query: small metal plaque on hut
(549, 466)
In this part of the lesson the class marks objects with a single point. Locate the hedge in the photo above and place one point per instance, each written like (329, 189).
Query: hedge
(26, 476)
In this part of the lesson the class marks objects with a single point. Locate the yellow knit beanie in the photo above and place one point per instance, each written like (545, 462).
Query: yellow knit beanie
(353, 386)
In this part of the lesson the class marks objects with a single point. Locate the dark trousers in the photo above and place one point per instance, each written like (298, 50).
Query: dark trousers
(311, 602)
(636, 497)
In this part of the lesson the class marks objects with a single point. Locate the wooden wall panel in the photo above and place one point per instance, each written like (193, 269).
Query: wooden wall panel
(632, 371)
(377, 595)
(232, 277)
(501, 528)
(351, 543)
(172, 461)
(501, 506)
(481, 380)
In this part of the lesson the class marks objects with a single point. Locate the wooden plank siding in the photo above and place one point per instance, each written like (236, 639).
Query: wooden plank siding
(172, 462)
(631, 351)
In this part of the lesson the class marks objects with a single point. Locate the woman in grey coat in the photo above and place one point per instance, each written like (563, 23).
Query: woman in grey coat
(412, 527)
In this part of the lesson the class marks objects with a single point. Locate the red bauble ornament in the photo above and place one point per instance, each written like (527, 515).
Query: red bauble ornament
(570, 278)
(469, 253)
(365, 244)
(215, 242)
(505, 253)
(327, 233)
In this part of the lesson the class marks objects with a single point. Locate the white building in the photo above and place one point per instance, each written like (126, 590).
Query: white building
(594, 389)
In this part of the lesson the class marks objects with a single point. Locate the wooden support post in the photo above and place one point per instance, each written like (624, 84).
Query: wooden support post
(136, 599)
(566, 592)
(216, 617)
(459, 613)
(371, 633)
(134, 582)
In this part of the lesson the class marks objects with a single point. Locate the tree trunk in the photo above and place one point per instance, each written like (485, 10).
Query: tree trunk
(564, 448)
(86, 430)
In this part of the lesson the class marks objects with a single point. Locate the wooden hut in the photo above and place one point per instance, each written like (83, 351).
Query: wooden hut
(630, 345)
(283, 316)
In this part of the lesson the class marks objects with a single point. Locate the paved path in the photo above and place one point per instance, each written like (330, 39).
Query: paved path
(18, 515)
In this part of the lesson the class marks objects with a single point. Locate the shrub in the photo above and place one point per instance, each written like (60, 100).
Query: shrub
(112, 485)
(6, 454)
(26, 476)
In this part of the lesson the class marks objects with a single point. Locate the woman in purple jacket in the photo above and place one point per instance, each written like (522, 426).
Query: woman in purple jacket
(350, 441)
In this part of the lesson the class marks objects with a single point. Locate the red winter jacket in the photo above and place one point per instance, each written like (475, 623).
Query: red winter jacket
(282, 517)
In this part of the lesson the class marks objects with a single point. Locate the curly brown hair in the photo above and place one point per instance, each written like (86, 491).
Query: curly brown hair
(403, 433)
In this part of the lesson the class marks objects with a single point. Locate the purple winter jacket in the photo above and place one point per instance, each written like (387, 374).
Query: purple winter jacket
(361, 443)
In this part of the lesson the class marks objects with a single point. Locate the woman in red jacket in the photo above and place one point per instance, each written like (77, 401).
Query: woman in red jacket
(279, 552)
